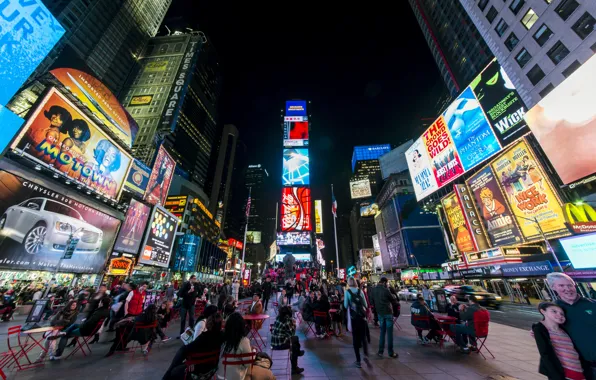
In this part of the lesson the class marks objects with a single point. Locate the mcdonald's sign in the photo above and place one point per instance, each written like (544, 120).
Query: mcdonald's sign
(580, 218)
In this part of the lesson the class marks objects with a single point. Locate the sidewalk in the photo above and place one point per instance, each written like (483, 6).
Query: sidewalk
(332, 358)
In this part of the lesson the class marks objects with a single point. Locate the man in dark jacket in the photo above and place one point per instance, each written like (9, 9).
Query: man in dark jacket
(267, 289)
(466, 330)
(381, 301)
(422, 319)
(188, 293)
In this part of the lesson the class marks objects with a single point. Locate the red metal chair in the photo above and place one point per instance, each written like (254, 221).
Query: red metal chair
(275, 360)
(481, 322)
(275, 305)
(137, 328)
(325, 321)
(86, 339)
(396, 324)
(421, 318)
(209, 358)
(200, 307)
(238, 359)
(18, 350)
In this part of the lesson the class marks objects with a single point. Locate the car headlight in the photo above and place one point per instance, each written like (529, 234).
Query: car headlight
(498, 298)
(63, 227)
(479, 297)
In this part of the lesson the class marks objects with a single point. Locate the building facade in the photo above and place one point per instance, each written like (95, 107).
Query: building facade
(455, 44)
(256, 180)
(539, 43)
(222, 178)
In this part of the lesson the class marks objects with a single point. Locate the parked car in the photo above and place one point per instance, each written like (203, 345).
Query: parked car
(484, 297)
(42, 224)
(408, 294)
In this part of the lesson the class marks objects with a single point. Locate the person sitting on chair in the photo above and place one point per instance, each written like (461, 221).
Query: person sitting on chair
(465, 332)
(322, 305)
(420, 312)
(283, 337)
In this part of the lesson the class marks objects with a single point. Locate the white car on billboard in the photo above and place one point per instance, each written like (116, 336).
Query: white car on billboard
(42, 224)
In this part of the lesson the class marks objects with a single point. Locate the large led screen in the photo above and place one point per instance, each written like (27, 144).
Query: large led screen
(360, 189)
(296, 133)
(11, 124)
(296, 167)
(423, 178)
(564, 123)
(293, 238)
(29, 32)
(318, 216)
(60, 137)
(529, 193)
(159, 239)
(296, 108)
(445, 161)
(161, 177)
(296, 209)
(36, 223)
(580, 250)
(131, 233)
(99, 99)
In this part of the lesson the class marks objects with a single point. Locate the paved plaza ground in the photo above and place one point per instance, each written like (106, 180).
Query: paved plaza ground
(332, 358)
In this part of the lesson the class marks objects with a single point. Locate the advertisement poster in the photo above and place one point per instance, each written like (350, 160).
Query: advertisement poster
(296, 133)
(253, 237)
(446, 165)
(131, 233)
(100, 100)
(468, 206)
(318, 216)
(295, 209)
(161, 178)
(471, 133)
(58, 136)
(11, 124)
(564, 123)
(366, 260)
(501, 102)
(29, 32)
(529, 193)
(296, 108)
(293, 238)
(397, 251)
(296, 167)
(423, 178)
(457, 224)
(159, 239)
(494, 209)
(370, 209)
(360, 189)
(36, 223)
(138, 178)
(186, 253)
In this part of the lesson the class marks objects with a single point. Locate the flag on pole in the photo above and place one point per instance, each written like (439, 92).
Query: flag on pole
(333, 203)
(248, 207)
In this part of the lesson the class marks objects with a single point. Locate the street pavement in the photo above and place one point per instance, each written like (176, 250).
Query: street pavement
(332, 358)
(515, 315)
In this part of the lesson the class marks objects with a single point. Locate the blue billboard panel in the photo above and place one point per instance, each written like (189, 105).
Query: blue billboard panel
(11, 124)
(296, 108)
(29, 32)
(470, 130)
(296, 167)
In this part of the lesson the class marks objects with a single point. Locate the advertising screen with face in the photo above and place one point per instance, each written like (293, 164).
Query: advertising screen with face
(159, 238)
(420, 170)
(470, 131)
(161, 178)
(131, 233)
(295, 209)
(529, 193)
(36, 224)
(296, 133)
(57, 135)
(564, 123)
(296, 167)
(445, 161)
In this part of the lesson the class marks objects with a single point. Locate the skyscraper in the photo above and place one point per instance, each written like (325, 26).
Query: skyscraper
(365, 163)
(222, 178)
(256, 179)
(455, 43)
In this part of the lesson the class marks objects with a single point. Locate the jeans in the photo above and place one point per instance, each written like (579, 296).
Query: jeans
(359, 337)
(191, 318)
(462, 332)
(72, 330)
(386, 322)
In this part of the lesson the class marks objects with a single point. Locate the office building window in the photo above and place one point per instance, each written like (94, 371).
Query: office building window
(501, 27)
(523, 57)
(569, 70)
(482, 4)
(529, 18)
(548, 88)
(566, 8)
(535, 74)
(558, 52)
(511, 41)
(492, 13)
(542, 34)
(516, 6)
(584, 25)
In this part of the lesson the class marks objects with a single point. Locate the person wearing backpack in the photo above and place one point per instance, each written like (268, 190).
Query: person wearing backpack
(355, 303)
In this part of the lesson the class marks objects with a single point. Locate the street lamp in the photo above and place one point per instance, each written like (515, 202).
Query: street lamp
(331, 266)
(549, 248)
(417, 265)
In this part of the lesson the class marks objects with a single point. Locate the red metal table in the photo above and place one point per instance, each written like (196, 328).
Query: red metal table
(37, 342)
(254, 331)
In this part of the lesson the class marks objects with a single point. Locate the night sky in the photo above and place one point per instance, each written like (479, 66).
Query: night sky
(367, 71)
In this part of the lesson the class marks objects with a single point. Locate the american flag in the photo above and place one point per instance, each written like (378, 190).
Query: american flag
(248, 207)
(333, 203)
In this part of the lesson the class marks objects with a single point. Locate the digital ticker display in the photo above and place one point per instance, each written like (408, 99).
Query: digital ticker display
(296, 167)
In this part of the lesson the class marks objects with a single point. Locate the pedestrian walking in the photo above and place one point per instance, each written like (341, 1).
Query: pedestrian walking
(355, 303)
(188, 293)
(381, 300)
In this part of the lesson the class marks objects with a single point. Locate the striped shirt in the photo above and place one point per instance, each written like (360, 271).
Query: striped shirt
(565, 351)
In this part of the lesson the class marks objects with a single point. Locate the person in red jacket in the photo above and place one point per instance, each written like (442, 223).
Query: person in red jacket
(135, 300)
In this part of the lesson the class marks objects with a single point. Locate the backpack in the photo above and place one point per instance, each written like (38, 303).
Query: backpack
(357, 309)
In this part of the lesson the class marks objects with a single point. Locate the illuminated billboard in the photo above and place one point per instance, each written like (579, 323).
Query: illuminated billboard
(369, 209)
(296, 167)
(423, 178)
(468, 206)
(29, 32)
(318, 216)
(11, 124)
(445, 162)
(58, 136)
(296, 133)
(460, 231)
(295, 108)
(580, 250)
(131, 233)
(100, 101)
(161, 177)
(159, 239)
(564, 123)
(295, 209)
(360, 189)
(253, 237)
(138, 178)
(293, 238)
